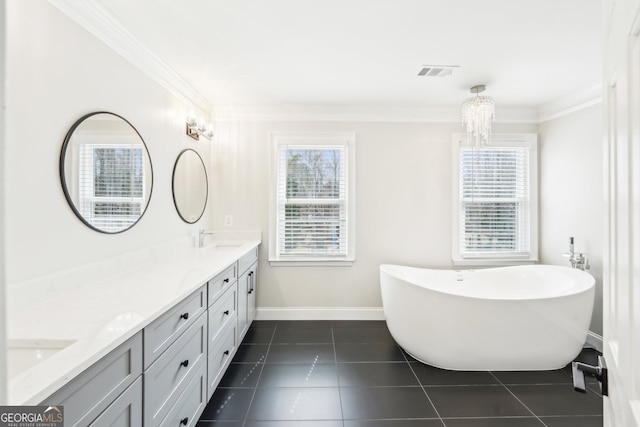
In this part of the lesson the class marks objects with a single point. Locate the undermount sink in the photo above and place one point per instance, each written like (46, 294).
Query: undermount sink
(224, 245)
(23, 354)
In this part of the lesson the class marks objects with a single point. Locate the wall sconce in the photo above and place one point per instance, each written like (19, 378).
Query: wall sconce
(197, 128)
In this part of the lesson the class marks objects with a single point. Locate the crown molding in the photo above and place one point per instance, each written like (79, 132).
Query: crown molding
(95, 18)
(575, 101)
(341, 113)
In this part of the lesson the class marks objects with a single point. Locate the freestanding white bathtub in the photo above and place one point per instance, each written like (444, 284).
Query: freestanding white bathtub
(500, 319)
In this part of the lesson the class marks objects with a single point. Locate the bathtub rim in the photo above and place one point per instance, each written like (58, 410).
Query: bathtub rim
(586, 289)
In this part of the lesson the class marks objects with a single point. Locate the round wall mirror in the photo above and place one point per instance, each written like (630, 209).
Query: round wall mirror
(190, 186)
(106, 172)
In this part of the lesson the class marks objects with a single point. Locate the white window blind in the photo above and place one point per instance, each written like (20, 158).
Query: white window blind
(111, 184)
(312, 201)
(494, 202)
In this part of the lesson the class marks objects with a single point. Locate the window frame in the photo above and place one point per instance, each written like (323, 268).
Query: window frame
(529, 141)
(86, 188)
(320, 140)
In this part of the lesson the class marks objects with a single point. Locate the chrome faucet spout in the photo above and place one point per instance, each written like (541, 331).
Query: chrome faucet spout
(577, 259)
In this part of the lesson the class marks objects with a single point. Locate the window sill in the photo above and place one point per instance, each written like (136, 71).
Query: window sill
(313, 262)
(489, 262)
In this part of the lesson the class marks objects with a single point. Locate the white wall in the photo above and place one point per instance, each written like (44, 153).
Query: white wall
(403, 205)
(57, 72)
(571, 192)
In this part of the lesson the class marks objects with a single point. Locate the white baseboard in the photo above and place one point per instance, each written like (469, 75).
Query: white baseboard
(320, 313)
(595, 341)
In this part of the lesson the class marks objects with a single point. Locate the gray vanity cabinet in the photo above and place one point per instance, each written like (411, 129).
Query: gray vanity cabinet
(223, 315)
(248, 268)
(109, 389)
(176, 376)
(166, 373)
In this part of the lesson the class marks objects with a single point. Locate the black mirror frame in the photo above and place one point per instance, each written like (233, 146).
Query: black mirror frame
(173, 188)
(63, 179)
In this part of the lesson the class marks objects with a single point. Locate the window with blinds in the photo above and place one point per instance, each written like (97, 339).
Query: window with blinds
(313, 210)
(111, 182)
(495, 217)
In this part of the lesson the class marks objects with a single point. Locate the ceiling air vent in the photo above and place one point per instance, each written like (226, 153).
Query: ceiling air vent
(437, 70)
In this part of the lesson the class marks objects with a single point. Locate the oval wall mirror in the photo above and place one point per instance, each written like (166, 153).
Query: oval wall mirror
(190, 186)
(106, 172)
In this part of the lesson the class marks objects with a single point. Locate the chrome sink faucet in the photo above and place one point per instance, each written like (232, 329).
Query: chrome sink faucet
(201, 235)
(578, 260)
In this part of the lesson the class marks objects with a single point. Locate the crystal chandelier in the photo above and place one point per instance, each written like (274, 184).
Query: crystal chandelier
(477, 115)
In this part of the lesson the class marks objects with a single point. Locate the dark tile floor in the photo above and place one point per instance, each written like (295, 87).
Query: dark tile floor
(353, 374)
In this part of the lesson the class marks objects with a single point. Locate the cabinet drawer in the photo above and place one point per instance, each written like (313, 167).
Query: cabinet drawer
(91, 392)
(222, 282)
(191, 403)
(221, 313)
(220, 357)
(168, 376)
(126, 411)
(160, 334)
(247, 259)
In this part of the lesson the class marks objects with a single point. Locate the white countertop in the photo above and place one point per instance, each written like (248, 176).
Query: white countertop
(101, 314)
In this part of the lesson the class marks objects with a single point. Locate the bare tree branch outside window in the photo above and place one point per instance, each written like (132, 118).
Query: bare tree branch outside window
(314, 211)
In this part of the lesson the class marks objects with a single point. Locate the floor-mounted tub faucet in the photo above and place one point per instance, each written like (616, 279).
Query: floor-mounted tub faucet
(578, 260)
(201, 235)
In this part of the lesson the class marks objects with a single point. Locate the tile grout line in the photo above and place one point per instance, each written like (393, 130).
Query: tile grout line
(255, 389)
(422, 386)
(251, 391)
(517, 398)
(335, 359)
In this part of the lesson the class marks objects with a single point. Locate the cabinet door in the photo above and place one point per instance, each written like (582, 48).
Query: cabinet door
(126, 411)
(247, 299)
(251, 302)
(243, 298)
(247, 260)
(191, 403)
(163, 331)
(90, 393)
(220, 358)
(168, 376)
(222, 313)
(219, 284)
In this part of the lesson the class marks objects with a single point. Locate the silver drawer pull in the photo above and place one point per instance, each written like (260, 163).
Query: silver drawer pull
(184, 316)
(184, 363)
